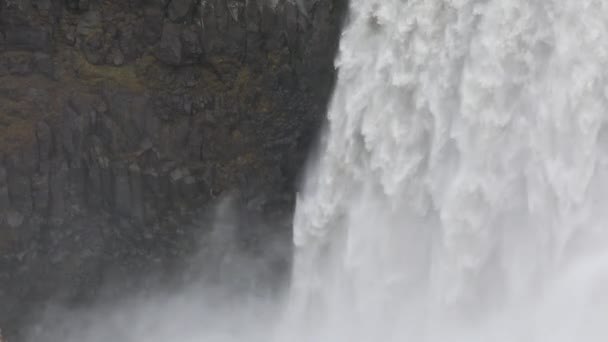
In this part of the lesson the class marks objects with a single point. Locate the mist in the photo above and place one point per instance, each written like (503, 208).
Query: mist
(222, 294)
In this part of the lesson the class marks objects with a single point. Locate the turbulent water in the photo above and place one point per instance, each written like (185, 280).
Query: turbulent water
(461, 191)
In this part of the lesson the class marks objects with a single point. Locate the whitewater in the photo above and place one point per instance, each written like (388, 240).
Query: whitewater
(461, 189)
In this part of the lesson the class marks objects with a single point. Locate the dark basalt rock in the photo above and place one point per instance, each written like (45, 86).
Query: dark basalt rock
(122, 123)
(179, 9)
(170, 48)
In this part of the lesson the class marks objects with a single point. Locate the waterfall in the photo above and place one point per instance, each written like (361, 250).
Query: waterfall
(461, 189)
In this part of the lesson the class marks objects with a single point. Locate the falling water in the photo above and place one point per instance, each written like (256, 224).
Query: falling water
(461, 191)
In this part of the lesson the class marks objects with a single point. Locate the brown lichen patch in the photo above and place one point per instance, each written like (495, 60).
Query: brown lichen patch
(247, 159)
(15, 62)
(237, 136)
(15, 132)
(222, 62)
(24, 101)
(264, 105)
(243, 80)
(152, 73)
(226, 66)
(125, 76)
(275, 59)
(211, 82)
(245, 163)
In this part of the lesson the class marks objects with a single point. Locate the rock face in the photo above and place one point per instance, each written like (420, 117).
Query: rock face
(122, 122)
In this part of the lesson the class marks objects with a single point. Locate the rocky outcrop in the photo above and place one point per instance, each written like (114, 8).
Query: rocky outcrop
(121, 122)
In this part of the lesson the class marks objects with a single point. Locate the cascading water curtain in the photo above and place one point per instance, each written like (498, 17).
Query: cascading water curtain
(461, 191)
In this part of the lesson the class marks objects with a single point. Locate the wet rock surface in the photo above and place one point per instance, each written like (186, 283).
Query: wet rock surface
(123, 122)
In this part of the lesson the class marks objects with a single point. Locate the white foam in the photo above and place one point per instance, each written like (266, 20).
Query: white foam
(463, 181)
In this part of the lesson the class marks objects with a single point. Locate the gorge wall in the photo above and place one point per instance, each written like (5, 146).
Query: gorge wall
(122, 122)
